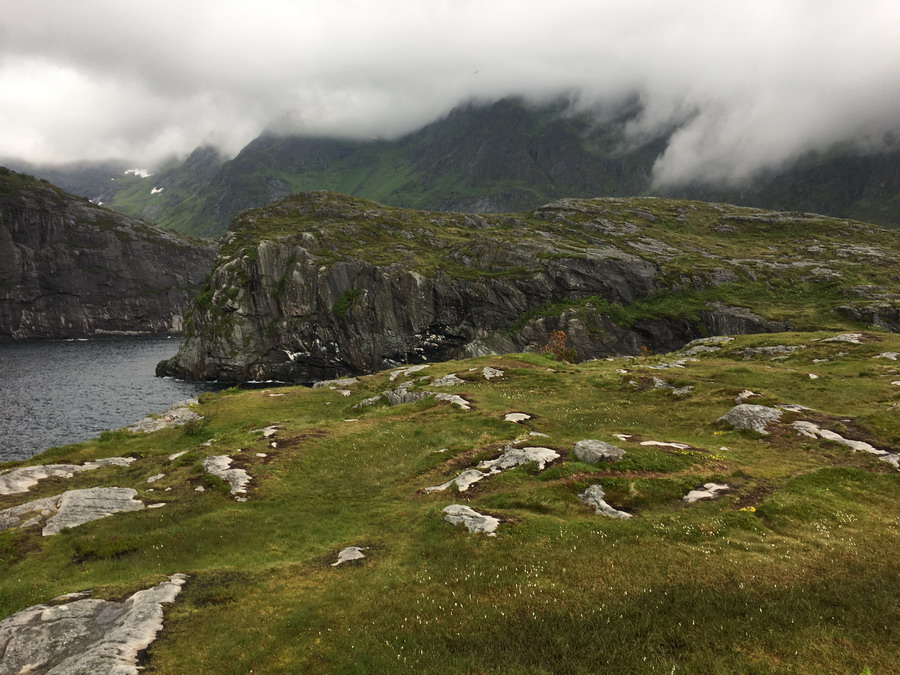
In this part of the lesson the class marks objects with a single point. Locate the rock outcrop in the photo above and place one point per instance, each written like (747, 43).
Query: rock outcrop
(70, 509)
(69, 268)
(321, 285)
(77, 634)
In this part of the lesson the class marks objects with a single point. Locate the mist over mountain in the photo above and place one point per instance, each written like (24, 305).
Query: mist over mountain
(509, 155)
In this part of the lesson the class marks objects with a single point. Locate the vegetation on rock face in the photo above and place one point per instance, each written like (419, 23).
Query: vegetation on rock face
(792, 568)
(614, 273)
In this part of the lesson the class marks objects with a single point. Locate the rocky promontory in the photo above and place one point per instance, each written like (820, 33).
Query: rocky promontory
(69, 268)
(322, 285)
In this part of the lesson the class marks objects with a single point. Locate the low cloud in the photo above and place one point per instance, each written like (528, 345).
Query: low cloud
(746, 86)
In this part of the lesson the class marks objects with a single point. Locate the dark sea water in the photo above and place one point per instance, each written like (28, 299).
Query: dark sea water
(58, 392)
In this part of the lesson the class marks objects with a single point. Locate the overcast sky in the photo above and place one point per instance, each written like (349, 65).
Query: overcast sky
(750, 82)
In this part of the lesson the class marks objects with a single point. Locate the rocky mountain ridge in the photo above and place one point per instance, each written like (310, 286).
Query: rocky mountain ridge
(321, 285)
(502, 156)
(69, 268)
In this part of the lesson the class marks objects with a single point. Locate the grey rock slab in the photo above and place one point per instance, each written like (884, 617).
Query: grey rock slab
(463, 481)
(176, 455)
(77, 507)
(178, 415)
(455, 400)
(340, 383)
(516, 456)
(517, 417)
(491, 373)
(593, 497)
(700, 349)
(751, 417)
(793, 407)
(891, 458)
(708, 491)
(406, 372)
(400, 396)
(593, 451)
(665, 444)
(813, 430)
(76, 635)
(891, 356)
(20, 480)
(749, 352)
(348, 554)
(366, 402)
(478, 523)
(450, 380)
(155, 478)
(219, 465)
(851, 338)
(712, 340)
(70, 509)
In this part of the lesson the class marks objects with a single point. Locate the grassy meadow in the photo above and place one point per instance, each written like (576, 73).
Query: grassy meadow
(793, 570)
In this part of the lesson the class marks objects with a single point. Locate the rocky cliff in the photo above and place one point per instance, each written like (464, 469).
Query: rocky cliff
(321, 285)
(69, 268)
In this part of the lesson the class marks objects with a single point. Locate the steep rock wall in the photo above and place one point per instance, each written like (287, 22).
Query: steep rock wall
(323, 285)
(69, 268)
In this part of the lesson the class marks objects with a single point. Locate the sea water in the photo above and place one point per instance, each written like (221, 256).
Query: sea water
(55, 392)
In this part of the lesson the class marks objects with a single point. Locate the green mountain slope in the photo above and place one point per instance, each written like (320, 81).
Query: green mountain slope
(792, 568)
(505, 156)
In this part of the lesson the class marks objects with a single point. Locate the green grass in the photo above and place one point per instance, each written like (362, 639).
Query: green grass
(804, 582)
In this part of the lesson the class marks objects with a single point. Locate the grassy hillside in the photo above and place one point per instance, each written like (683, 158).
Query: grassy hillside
(793, 569)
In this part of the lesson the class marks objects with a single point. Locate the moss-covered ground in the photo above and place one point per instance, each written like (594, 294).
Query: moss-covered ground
(792, 570)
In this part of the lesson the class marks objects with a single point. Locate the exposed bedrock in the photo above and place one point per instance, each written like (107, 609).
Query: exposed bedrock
(320, 285)
(69, 268)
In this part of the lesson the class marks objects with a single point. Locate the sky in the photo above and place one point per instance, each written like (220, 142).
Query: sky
(746, 84)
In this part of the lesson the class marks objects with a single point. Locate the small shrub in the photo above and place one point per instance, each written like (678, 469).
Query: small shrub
(556, 346)
(345, 301)
(195, 426)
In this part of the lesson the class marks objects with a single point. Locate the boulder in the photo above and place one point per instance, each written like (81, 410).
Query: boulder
(512, 457)
(478, 523)
(594, 451)
(751, 417)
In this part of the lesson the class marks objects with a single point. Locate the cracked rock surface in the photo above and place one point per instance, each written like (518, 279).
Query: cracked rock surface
(77, 635)
(751, 417)
(219, 465)
(515, 456)
(23, 479)
(70, 509)
(176, 416)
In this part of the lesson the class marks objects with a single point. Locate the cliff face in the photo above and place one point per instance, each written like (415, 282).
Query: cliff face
(321, 285)
(69, 268)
